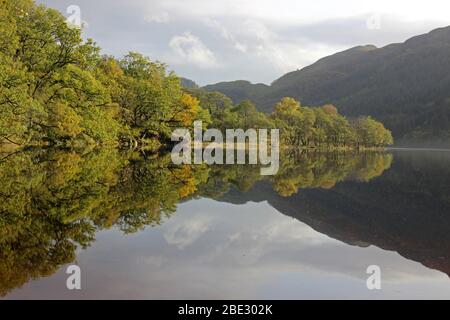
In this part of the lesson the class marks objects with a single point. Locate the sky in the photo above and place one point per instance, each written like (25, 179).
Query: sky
(210, 41)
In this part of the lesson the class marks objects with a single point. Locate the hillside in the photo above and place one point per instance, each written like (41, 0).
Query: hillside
(187, 83)
(405, 85)
(239, 90)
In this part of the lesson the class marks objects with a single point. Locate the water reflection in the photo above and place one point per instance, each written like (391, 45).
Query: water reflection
(53, 202)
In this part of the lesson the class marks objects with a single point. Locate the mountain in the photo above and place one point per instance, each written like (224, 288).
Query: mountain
(404, 85)
(187, 83)
(239, 90)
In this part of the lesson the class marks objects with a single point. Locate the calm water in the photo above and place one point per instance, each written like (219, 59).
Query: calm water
(143, 228)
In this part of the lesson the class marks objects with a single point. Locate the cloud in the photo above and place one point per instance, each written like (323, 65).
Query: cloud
(162, 17)
(216, 25)
(190, 49)
(184, 234)
(295, 12)
(252, 40)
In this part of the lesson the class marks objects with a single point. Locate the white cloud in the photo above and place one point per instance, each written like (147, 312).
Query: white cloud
(190, 49)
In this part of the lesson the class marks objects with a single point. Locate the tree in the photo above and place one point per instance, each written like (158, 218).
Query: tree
(330, 109)
(248, 117)
(153, 101)
(371, 133)
(46, 76)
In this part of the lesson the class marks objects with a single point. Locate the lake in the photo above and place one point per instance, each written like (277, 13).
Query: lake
(140, 227)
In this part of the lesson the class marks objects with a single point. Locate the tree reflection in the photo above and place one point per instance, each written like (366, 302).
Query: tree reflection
(53, 202)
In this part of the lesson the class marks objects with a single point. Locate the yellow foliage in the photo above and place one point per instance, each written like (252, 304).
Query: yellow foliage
(190, 107)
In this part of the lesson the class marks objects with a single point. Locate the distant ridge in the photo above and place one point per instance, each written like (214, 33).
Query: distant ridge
(240, 90)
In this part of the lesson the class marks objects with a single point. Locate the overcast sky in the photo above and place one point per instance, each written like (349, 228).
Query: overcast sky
(258, 40)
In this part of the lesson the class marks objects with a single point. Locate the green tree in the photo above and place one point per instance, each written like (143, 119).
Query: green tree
(46, 77)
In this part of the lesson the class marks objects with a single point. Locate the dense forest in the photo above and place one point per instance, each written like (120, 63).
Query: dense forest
(404, 85)
(58, 89)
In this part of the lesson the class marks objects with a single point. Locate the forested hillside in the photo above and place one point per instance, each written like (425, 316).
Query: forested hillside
(405, 85)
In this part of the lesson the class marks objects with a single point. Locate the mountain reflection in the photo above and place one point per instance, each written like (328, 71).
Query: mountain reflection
(53, 202)
(404, 210)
